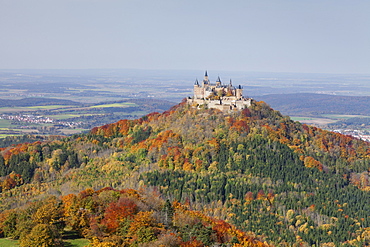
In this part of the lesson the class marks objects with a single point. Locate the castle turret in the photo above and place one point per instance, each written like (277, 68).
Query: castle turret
(206, 80)
(239, 92)
(198, 90)
(218, 82)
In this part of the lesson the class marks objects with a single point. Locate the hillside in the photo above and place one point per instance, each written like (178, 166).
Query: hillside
(280, 182)
(311, 104)
(35, 102)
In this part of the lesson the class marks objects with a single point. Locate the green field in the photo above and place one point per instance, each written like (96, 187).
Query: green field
(342, 117)
(4, 242)
(73, 131)
(302, 118)
(314, 120)
(5, 124)
(67, 116)
(126, 104)
(80, 242)
(33, 108)
(46, 107)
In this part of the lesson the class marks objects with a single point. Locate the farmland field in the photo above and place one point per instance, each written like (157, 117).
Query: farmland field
(341, 117)
(314, 121)
(127, 104)
(44, 116)
(61, 102)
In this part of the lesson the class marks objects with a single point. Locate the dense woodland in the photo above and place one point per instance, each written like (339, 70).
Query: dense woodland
(191, 177)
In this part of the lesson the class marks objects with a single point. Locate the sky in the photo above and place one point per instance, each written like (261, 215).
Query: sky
(308, 36)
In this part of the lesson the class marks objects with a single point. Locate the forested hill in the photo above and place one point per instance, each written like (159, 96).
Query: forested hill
(282, 182)
(314, 104)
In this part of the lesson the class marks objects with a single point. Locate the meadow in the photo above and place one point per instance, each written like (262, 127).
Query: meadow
(80, 242)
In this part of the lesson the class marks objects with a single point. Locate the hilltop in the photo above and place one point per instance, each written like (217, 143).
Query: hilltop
(279, 181)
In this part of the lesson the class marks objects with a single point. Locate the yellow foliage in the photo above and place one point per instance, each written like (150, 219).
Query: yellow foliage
(48, 213)
(40, 235)
(303, 227)
(97, 243)
(325, 226)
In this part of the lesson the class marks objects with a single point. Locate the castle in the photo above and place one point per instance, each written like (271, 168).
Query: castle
(220, 96)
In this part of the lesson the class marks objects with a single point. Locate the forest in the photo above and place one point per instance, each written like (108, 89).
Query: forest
(191, 177)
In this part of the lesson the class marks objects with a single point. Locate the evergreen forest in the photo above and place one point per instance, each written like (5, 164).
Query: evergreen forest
(189, 177)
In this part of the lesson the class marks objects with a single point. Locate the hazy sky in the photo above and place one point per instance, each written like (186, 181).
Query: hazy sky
(325, 36)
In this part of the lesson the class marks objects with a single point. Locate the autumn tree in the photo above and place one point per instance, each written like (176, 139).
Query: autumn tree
(41, 235)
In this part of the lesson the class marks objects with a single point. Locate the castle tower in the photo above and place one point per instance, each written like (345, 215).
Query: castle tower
(218, 82)
(206, 80)
(239, 92)
(198, 91)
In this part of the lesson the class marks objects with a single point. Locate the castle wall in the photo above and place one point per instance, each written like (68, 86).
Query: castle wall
(223, 105)
(198, 92)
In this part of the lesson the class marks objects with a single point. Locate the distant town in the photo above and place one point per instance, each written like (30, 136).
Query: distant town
(360, 134)
(39, 120)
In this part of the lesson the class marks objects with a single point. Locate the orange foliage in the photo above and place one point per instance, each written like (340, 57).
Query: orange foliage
(68, 201)
(116, 211)
(85, 193)
(249, 196)
(261, 195)
(312, 163)
(240, 125)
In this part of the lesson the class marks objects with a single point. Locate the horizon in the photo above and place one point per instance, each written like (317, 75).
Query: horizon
(180, 70)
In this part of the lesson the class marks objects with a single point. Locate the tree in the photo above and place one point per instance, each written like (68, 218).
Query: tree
(143, 228)
(117, 211)
(41, 235)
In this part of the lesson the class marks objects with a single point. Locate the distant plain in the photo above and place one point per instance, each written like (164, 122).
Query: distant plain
(97, 97)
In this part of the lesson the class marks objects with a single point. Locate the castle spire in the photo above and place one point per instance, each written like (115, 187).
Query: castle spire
(206, 80)
(231, 83)
(196, 82)
(218, 82)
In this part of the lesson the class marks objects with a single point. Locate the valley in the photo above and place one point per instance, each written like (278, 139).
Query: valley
(149, 172)
(65, 102)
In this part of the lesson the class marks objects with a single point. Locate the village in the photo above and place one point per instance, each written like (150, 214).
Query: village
(360, 134)
(32, 119)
